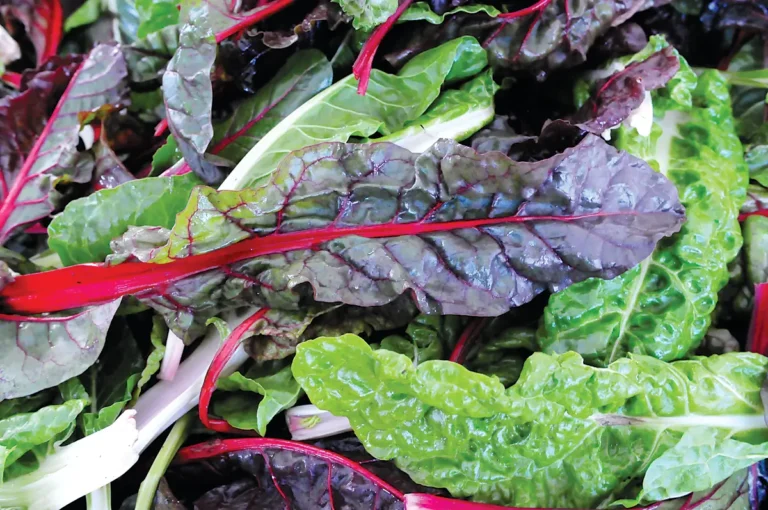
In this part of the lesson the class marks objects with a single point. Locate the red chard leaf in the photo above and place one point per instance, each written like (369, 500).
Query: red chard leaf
(618, 95)
(38, 150)
(43, 21)
(462, 233)
(42, 352)
(273, 473)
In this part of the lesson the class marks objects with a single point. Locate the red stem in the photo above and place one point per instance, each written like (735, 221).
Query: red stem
(217, 447)
(467, 338)
(161, 128)
(55, 31)
(89, 284)
(12, 79)
(758, 329)
(36, 229)
(759, 212)
(364, 62)
(220, 360)
(539, 6)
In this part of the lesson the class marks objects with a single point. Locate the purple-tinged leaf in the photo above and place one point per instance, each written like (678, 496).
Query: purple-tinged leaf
(41, 352)
(462, 233)
(35, 159)
(264, 474)
(188, 92)
(109, 170)
(43, 21)
(618, 95)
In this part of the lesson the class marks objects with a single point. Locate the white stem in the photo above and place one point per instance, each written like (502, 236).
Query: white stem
(309, 422)
(9, 48)
(100, 499)
(174, 349)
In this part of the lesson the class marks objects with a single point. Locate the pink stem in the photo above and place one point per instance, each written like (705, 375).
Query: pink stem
(364, 62)
(226, 351)
(758, 329)
(12, 79)
(468, 336)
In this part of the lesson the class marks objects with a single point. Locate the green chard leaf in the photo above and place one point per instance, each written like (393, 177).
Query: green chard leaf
(457, 114)
(426, 337)
(83, 231)
(755, 253)
(155, 15)
(501, 352)
(112, 380)
(86, 14)
(26, 438)
(421, 11)
(662, 307)
(551, 440)
(367, 14)
(244, 409)
(339, 112)
(157, 339)
(40, 353)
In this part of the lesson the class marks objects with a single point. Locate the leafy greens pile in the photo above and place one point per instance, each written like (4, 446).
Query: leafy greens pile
(383, 254)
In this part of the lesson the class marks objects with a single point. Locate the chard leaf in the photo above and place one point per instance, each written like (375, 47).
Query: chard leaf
(39, 353)
(367, 14)
(148, 57)
(709, 458)
(460, 232)
(755, 254)
(26, 438)
(553, 34)
(421, 11)
(112, 380)
(503, 353)
(157, 339)
(45, 153)
(42, 20)
(155, 15)
(188, 92)
(86, 14)
(304, 74)
(278, 389)
(523, 238)
(457, 114)
(82, 232)
(426, 337)
(448, 427)
(339, 113)
(263, 474)
(662, 308)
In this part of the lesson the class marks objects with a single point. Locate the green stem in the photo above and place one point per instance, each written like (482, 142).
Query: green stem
(173, 442)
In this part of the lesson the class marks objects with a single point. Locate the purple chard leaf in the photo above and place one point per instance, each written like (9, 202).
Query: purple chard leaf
(41, 352)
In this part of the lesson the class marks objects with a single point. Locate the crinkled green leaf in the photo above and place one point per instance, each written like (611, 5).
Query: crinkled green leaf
(755, 230)
(366, 14)
(28, 404)
(188, 92)
(243, 410)
(25, 437)
(662, 307)
(565, 435)
(40, 353)
(426, 337)
(304, 74)
(148, 57)
(339, 112)
(82, 232)
(421, 11)
(336, 194)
